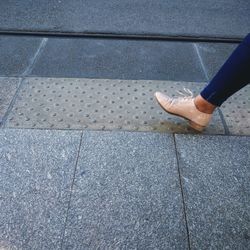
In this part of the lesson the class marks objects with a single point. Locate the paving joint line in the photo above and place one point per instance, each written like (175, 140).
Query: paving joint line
(182, 194)
(201, 61)
(2, 124)
(206, 75)
(227, 132)
(22, 78)
(129, 131)
(35, 57)
(150, 36)
(71, 189)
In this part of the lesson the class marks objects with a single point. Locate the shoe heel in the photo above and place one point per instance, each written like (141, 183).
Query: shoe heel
(196, 126)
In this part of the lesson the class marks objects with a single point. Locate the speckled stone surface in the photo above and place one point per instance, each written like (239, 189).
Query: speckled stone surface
(215, 173)
(8, 87)
(36, 172)
(126, 194)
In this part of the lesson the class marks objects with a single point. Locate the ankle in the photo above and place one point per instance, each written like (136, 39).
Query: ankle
(204, 106)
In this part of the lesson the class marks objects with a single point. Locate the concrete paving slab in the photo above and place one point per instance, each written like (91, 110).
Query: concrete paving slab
(236, 111)
(8, 87)
(36, 173)
(119, 59)
(164, 17)
(214, 55)
(16, 53)
(126, 194)
(99, 104)
(215, 174)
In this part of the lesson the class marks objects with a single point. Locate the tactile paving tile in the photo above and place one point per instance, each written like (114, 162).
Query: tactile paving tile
(99, 104)
(236, 111)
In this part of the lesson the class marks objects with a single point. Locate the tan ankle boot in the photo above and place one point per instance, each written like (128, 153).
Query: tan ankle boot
(184, 107)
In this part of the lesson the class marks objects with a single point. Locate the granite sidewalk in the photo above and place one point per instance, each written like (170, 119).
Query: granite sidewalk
(123, 190)
(88, 160)
(74, 174)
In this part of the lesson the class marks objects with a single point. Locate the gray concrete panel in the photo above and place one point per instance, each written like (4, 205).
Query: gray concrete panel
(36, 173)
(8, 87)
(16, 53)
(119, 59)
(126, 194)
(214, 55)
(225, 18)
(215, 175)
(100, 104)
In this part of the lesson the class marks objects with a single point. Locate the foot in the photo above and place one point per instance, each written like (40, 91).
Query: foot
(185, 108)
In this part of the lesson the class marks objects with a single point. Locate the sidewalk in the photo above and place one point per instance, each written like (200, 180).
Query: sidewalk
(115, 190)
(88, 159)
(66, 185)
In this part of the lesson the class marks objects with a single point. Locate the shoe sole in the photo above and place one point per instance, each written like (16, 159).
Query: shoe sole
(191, 123)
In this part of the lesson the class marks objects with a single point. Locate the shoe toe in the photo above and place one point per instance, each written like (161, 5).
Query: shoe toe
(156, 94)
(161, 97)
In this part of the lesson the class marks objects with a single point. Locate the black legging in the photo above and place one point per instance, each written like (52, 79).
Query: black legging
(233, 75)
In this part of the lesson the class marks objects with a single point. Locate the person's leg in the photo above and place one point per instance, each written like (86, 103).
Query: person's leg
(232, 76)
